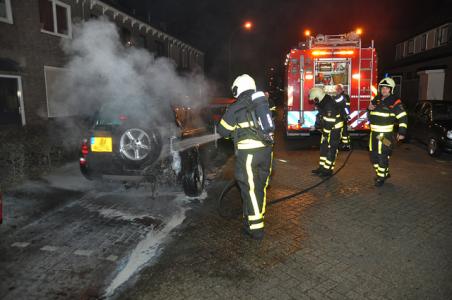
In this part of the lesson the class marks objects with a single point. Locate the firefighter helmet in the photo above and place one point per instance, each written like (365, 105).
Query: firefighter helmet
(316, 93)
(387, 82)
(241, 84)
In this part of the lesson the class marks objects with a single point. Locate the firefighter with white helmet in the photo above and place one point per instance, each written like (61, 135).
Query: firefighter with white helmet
(332, 123)
(249, 123)
(341, 96)
(385, 110)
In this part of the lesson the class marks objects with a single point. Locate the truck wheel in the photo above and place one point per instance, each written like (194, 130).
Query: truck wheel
(192, 173)
(433, 147)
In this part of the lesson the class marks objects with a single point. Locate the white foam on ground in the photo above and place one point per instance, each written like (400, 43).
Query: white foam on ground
(145, 250)
(111, 213)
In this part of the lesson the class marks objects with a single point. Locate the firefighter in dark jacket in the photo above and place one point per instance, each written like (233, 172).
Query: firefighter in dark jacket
(342, 96)
(330, 116)
(384, 111)
(253, 154)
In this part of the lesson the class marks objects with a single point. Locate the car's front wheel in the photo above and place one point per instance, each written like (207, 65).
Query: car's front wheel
(193, 173)
(433, 147)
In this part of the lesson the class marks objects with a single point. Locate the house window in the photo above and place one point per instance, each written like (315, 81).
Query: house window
(398, 54)
(140, 41)
(443, 35)
(159, 48)
(55, 17)
(411, 46)
(423, 45)
(5, 11)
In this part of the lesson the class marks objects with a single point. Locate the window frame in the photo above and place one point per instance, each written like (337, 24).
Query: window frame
(411, 47)
(9, 13)
(443, 35)
(55, 21)
(423, 44)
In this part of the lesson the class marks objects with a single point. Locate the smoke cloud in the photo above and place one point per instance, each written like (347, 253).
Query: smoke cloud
(102, 70)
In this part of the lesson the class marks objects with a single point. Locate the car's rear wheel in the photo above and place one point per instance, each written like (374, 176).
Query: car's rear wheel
(433, 147)
(137, 145)
(193, 173)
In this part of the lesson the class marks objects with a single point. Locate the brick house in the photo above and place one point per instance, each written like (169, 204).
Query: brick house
(31, 56)
(422, 65)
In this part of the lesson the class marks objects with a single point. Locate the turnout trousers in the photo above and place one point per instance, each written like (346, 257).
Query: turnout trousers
(380, 153)
(252, 172)
(329, 144)
(346, 141)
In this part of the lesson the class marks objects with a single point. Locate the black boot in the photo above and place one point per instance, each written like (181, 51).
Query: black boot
(326, 173)
(254, 234)
(379, 181)
(317, 171)
(345, 147)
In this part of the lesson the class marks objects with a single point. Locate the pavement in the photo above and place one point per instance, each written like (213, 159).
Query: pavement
(345, 239)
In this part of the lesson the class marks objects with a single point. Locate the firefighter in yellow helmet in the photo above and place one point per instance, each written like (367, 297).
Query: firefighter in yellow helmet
(249, 123)
(384, 111)
(330, 116)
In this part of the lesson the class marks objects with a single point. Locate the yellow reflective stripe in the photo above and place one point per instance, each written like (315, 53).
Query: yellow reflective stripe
(257, 226)
(382, 128)
(402, 114)
(226, 125)
(380, 144)
(249, 144)
(255, 218)
(266, 185)
(329, 119)
(381, 114)
(404, 125)
(273, 108)
(370, 141)
(381, 169)
(249, 172)
(246, 124)
(339, 125)
(326, 130)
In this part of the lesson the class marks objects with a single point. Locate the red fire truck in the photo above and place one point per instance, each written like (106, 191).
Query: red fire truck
(325, 61)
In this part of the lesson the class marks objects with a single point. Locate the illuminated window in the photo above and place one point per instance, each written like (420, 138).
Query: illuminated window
(55, 17)
(5, 11)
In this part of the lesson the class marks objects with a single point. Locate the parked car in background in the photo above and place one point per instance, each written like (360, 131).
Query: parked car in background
(131, 142)
(431, 124)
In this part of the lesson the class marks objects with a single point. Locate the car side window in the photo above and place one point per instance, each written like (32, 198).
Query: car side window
(426, 115)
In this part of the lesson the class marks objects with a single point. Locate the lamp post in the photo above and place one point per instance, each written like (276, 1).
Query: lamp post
(247, 26)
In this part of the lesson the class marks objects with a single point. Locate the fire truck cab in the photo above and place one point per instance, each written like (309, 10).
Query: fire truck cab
(325, 61)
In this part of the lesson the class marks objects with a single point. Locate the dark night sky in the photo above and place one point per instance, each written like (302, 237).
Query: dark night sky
(279, 25)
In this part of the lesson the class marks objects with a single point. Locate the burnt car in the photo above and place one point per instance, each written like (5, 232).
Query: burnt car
(134, 143)
(431, 124)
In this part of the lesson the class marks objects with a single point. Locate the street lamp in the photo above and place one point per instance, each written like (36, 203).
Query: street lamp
(247, 26)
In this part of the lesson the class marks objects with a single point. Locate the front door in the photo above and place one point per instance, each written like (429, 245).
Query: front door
(10, 101)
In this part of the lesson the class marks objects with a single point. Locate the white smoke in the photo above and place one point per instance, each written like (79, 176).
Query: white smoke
(101, 69)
